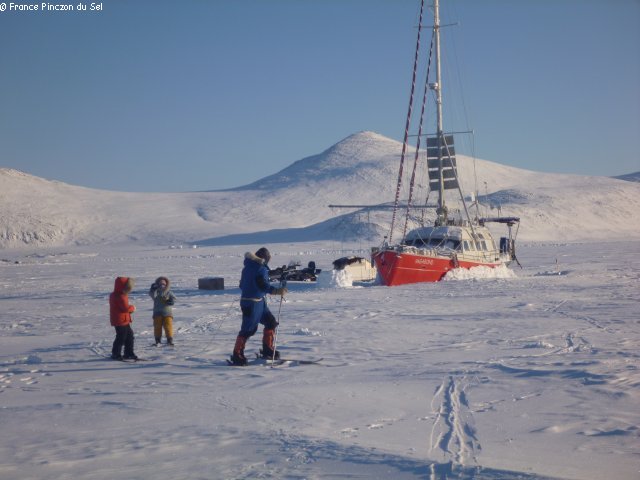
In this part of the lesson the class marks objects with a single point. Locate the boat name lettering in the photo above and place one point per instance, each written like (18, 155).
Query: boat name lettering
(424, 261)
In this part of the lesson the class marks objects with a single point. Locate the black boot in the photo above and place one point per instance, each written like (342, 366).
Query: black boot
(170, 341)
(158, 339)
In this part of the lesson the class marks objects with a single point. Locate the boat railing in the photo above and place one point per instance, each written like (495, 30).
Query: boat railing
(486, 256)
(433, 251)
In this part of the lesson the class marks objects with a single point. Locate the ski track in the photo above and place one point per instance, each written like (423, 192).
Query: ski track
(453, 435)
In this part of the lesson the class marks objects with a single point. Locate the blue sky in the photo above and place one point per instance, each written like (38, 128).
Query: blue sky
(155, 95)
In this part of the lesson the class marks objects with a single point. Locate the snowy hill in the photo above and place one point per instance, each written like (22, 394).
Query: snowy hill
(292, 205)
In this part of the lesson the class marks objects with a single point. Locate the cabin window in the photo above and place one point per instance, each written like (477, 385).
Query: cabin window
(465, 245)
(452, 244)
(437, 242)
(430, 242)
(416, 242)
(484, 245)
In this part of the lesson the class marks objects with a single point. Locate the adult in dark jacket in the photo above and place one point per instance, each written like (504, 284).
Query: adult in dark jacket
(254, 285)
(120, 315)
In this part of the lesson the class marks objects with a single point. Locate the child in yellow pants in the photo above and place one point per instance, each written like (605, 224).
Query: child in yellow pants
(160, 322)
(163, 300)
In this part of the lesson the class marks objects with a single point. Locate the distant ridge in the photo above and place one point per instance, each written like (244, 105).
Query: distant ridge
(292, 204)
(629, 177)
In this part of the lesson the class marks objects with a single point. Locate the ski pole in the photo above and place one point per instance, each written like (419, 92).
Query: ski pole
(275, 336)
(283, 283)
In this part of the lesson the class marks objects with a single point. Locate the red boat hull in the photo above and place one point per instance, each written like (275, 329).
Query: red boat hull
(401, 268)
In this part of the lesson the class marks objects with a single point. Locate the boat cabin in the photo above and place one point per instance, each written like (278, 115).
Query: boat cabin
(461, 240)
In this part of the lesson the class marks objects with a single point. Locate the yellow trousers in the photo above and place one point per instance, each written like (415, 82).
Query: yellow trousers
(159, 322)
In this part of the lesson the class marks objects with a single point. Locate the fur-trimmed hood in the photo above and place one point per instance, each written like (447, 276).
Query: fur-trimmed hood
(123, 285)
(157, 281)
(254, 258)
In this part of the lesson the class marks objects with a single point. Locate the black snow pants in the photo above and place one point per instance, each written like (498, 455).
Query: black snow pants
(124, 336)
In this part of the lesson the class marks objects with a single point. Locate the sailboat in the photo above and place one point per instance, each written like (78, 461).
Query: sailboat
(455, 239)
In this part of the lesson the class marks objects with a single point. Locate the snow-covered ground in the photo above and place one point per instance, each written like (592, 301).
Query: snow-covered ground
(530, 374)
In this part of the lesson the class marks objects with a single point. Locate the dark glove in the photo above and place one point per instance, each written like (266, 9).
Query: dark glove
(154, 286)
(169, 301)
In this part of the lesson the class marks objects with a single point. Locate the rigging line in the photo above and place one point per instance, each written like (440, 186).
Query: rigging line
(465, 112)
(425, 95)
(455, 173)
(406, 130)
(217, 327)
(426, 201)
(454, 49)
(475, 172)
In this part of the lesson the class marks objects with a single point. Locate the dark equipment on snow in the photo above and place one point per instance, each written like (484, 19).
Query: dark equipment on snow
(342, 262)
(211, 283)
(291, 273)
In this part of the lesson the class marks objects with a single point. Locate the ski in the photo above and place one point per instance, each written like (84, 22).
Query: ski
(280, 361)
(301, 361)
(127, 360)
(257, 361)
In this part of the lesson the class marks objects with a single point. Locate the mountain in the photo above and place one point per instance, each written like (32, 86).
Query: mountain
(292, 204)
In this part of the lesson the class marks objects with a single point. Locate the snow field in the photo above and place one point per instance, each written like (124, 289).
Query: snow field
(531, 374)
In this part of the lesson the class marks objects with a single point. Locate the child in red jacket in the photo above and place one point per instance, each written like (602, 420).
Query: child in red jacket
(120, 313)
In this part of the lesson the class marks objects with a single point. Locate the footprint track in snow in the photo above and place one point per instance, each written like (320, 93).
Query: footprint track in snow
(453, 434)
(379, 424)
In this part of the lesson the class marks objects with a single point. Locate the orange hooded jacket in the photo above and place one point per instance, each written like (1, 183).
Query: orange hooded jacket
(119, 308)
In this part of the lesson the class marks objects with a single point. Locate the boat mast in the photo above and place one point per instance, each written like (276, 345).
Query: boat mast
(442, 209)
